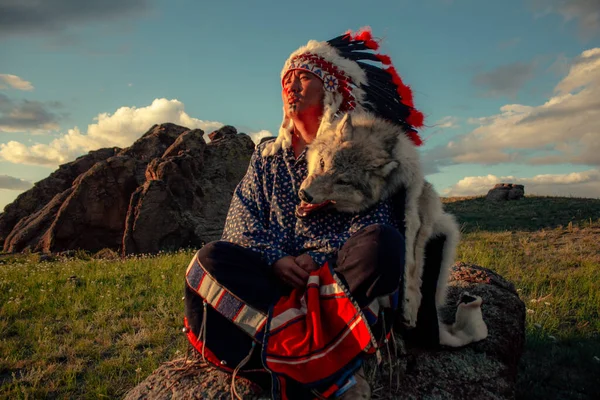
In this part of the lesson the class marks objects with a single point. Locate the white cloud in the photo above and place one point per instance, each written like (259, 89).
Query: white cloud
(447, 122)
(120, 129)
(577, 184)
(258, 136)
(15, 82)
(565, 129)
(12, 183)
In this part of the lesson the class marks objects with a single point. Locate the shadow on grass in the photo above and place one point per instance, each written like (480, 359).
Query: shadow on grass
(564, 369)
(528, 214)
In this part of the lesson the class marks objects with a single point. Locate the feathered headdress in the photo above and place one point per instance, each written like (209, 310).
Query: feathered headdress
(355, 77)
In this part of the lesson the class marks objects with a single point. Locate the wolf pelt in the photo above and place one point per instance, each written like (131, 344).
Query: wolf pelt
(358, 160)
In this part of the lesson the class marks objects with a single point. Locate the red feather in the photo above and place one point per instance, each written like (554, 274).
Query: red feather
(415, 118)
(414, 136)
(363, 34)
(403, 90)
(386, 60)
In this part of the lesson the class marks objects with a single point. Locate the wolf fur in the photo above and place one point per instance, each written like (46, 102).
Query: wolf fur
(358, 160)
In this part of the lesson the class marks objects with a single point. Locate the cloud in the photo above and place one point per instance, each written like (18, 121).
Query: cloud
(119, 129)
(12, 183)
(564, 129)
(505, 80)
(577, 184)
(28, 115)
(14, 82)
(447, 122)
(258, 136)
(585, 12)
(53, 16)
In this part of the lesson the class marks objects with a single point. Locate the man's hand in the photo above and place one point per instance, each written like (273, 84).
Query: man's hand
(288, 270)
(306, 262)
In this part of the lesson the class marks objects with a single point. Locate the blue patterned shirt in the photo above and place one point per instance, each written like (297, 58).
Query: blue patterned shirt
(262, 212)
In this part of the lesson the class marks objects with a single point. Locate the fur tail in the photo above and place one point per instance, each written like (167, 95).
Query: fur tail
(469, 325)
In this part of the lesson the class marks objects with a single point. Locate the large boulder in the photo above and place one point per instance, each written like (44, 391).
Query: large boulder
(187, 192)
(483, 370)
(168, 190)
(36, 198)
(505, 191)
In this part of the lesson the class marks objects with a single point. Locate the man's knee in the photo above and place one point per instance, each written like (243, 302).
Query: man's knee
(212, 250)
(384, 247)
(220, 255)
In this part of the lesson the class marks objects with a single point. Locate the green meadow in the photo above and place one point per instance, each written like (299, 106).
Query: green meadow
(93, 326)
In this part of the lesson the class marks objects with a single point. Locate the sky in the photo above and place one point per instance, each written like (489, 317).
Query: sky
(510, 90)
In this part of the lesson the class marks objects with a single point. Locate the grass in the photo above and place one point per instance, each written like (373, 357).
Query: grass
(550, 248)
(88, 327)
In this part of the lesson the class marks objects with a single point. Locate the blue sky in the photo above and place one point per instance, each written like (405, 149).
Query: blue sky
(510, 90)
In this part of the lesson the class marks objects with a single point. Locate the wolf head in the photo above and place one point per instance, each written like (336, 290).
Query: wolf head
(354, 163)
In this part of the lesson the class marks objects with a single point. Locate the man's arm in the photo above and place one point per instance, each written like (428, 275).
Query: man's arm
(247, 222)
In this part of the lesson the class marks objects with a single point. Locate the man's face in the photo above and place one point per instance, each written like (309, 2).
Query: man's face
(302, 94)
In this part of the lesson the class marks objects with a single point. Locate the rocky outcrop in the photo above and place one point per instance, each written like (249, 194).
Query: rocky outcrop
(187, 192)
(483, 370)
(170, 189)
(505, 191)
(36, 198)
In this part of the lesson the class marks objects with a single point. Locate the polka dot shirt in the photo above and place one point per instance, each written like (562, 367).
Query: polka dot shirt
(262, 212)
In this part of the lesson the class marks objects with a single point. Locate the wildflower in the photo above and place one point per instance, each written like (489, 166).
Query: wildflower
(530, 311)
(138, 370)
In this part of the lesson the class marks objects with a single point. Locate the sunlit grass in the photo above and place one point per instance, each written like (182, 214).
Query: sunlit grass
(87, 328)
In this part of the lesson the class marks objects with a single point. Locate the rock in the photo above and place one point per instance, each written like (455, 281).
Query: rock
(483, 370)
(223, 132)
(91, 216)
(154, 142)
(36, 198)
(506, 191)
(166, 191)
(187, 195)
(30, 231)
(191, 379)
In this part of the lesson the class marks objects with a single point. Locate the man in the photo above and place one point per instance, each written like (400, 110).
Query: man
(301, 287)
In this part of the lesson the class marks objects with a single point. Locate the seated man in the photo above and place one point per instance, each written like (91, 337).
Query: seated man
(299, 282)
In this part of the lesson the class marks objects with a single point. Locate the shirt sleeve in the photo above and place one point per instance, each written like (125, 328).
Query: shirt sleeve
(247, 222)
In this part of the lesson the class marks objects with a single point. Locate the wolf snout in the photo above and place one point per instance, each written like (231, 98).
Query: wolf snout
(304, 196)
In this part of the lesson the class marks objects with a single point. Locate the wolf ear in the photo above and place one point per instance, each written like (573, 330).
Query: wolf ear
(345, 128)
